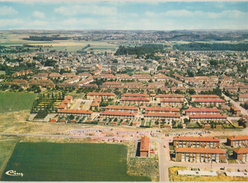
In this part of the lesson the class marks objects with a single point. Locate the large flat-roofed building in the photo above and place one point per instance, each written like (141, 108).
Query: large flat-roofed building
(241, 154)
(199, 142)
(93, 95)
(202, 110)
(144, 146)
(132, 109)
(194, 97)
(161, 110)
(200, 154)
(117, 114)
(236, 141)
(207, 117)
(167, 116)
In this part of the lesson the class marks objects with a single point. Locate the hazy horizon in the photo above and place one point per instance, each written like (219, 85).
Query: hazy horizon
(102, 15)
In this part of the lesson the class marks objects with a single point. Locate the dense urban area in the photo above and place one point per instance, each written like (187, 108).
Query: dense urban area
(174, 102)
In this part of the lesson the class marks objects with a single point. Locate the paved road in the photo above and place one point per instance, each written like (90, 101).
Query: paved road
(76, 105)
(243, 111)
(164, 157)
(87, 104)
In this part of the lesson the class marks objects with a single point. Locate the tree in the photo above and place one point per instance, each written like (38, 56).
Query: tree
(192, 91)
(71, 117)
(145, 68)
(159, 67)
(190, 73)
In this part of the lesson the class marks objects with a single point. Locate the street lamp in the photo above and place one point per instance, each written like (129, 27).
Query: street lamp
(211, 162)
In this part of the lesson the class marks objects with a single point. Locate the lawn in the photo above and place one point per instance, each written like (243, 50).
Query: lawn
(11, 101)
(69, 162)
(2, 72)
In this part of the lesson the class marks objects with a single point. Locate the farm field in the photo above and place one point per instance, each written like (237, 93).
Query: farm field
(69, 162)
(2, 72)
(69, 45)
(16, 101)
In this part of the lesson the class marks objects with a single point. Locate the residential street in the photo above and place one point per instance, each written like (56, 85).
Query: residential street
(243, 111)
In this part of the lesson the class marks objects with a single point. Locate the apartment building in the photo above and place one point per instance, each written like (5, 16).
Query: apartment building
(132, 109)
(202, 110)
(236, 141)
(196, 142)
(207, 117)
(241, 154)
(200, 155)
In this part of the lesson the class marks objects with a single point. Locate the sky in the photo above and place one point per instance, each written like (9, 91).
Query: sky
(110, 15)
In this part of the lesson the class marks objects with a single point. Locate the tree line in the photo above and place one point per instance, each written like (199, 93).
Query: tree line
(149, 49)
(214, 46)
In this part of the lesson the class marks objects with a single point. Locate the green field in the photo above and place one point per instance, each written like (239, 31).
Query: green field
(69, 162)
(11, 101)
(2, 72)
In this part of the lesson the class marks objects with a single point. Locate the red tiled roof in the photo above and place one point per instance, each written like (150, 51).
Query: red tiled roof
(205, 96)
(66, 101)
(53, 120)
(120, 107)
(111, 83)
(235, 108)
(166, 114)
(84, 74)
(134, 95)
(182, 138)
(241, 150)
(117, 113)
(75, 111)
(54, 75)
(162, 109)
(169, 96)
(144, 144)
(241, 137)
(207, 116)
(202, 109)
(61, 106)
(243, 95)
(100, 94)
(68, 97)
(210, 100)
(171, 100)
(200, 150)
(135, 99)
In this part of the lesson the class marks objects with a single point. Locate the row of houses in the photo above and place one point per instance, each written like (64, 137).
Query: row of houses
(206, 149)
(64, 109)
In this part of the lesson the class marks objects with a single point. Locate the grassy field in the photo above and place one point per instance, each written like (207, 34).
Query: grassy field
(15, 101)
(2, 72)
(69, 162)
(7, 145)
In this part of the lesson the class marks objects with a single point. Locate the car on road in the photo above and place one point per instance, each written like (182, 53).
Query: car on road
(164, 146)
